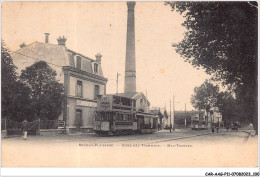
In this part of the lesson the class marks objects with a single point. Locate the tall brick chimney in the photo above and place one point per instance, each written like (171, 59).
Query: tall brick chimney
(130, 71)
(47, 37)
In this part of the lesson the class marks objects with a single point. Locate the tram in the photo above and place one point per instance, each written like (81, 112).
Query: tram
(117, 115)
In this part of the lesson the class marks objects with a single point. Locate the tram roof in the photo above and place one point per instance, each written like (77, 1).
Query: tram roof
(117, 95)
(133, 95)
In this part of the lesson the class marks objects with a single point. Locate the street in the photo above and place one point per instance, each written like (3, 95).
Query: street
(183, 147)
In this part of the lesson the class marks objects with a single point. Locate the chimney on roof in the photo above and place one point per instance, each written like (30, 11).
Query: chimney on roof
(61, 40)
(47, 37)
(98, 57)
(22, 45)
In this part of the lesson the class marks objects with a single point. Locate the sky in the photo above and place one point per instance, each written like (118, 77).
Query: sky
(100, 27)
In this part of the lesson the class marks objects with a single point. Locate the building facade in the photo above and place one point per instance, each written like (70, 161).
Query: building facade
(81, 76)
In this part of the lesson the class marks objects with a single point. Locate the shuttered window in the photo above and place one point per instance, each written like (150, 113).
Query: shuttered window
(78, 65)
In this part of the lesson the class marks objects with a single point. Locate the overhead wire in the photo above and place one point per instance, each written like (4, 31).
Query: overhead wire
(37, 59)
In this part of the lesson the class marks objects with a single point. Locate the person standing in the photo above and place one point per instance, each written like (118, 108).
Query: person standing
(170, 128)
(25, 129)
(158, 127)
(227, 127)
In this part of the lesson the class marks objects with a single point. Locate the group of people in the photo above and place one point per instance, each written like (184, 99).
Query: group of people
(234, 127)
(213, 129)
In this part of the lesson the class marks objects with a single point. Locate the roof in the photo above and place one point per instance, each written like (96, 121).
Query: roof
(80, 54)
(155, 111)
(134, 95)
(56, 55)
(55, 45)
(128, 95)
(117, 95)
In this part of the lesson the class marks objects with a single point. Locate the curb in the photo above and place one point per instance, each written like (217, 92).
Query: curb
(181, 138)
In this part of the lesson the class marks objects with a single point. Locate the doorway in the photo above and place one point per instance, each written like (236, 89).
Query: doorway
(78, 119)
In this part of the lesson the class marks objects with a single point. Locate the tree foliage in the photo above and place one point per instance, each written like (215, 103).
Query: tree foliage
(15, 95)
(46, 92)
(205, 96)
(160, 115)
(221, 37)
(228, 107)
(165, 114)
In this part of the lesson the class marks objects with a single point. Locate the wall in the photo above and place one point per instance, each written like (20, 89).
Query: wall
(143, 106)
(88, 88)
(88, 117)
(55, 55)
(70, 122)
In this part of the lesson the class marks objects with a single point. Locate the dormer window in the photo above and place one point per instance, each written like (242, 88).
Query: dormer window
(78, 62)
(95, 68)
(79, 90)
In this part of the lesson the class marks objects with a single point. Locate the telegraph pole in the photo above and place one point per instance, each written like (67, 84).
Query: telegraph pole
(117, 74)
(185, 115)
(170, 115)
(173, 108)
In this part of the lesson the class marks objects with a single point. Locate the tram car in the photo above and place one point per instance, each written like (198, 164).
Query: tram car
(117, 115)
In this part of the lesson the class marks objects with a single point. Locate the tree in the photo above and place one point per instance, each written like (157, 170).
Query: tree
(15, 95)
(221, 37)
(228, 107)
(165, 114)
(160, 115)
(205, 96)
(46, 92)
(8, 79)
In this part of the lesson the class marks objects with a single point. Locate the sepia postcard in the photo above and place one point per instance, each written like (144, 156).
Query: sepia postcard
(129, 84)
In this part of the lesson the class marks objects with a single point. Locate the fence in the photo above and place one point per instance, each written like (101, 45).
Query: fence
(13, 127)
(52, 124)
(49, 124)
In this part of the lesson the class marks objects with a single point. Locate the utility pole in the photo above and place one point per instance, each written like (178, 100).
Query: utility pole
(185, 115)
(173, 108)
(117, 74)
(170, 115)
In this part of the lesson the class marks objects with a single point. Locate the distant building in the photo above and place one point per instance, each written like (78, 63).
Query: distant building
(164, 121)
(81, 76)
(159, 115)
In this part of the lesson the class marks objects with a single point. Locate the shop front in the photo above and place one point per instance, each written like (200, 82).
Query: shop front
(81, 115)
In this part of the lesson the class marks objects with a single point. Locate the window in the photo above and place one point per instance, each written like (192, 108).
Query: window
(78, 64)
(96, 92)
(79, 89)
(95, 68)
(141, 101)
